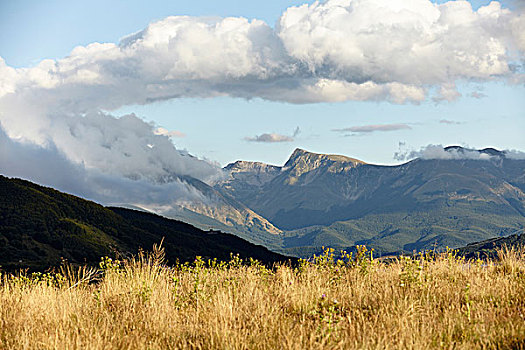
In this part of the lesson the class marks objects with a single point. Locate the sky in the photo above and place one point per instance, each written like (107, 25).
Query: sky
(120, 89)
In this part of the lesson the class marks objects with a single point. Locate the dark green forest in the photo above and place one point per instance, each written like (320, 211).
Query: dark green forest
(40, 226)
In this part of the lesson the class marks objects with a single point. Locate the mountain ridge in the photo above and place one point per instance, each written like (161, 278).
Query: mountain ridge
(394, 208)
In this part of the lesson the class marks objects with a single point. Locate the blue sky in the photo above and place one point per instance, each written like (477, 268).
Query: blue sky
(34, 30)
(217, 128)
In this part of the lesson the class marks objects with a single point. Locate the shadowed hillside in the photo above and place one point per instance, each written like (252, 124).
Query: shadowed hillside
(490, 247)
(39, 226)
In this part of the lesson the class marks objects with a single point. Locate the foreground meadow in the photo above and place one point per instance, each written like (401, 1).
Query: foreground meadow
(358, 302)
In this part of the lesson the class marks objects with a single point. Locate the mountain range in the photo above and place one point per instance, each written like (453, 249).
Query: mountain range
(317, 200)
(311, 201)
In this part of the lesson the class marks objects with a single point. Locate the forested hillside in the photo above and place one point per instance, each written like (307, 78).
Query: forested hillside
(39, 226)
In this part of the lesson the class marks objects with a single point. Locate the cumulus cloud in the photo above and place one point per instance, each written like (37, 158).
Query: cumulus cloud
(427, 43)
(373, 128)
(102, 158)
(270, 138)
(331, 51)
(439, 152)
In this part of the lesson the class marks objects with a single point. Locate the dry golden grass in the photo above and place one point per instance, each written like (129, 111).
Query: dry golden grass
(440, 302)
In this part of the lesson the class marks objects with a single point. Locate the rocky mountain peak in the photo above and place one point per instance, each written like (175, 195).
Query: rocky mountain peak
(252, 173)
(302, 161)
(300, 157)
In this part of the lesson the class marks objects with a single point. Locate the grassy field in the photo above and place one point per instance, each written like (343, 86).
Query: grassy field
(429, 302)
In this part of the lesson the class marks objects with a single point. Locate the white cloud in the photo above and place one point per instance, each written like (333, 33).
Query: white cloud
(274, 138)
(447, 92)
(50, 167)
(270, 138)
(117, 146)
(410, 42)
(515, 154)
(374, 128)
(439, 152)
(8, 78)
(332, 51)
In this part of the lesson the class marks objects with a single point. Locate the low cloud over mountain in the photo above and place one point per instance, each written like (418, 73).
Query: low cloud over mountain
(456, 152)
(49, 166)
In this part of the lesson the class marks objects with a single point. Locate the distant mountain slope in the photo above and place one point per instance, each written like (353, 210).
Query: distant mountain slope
(339, 201)
(39, 225)
(218, 212)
